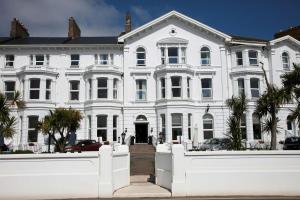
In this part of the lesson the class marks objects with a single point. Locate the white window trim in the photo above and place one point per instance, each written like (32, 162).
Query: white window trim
(209, 57)
(140, 90)
(75, 66)
(35, 89)
(208, 120)
(115, 128)
(9, 91)
(256, 89)
(237, 58)
(72, 91)
(34, 62)
(177, 126)
(253, 58)
(9, 61)
(210, 89)
(288, 61)
(102, 88)
(115, 88)
(140, 59)
(48, 90)
(176, 87)
(162, 88)
(102, 128)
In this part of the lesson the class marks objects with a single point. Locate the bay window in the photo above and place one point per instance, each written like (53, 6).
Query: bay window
(189, 126)
(163, 87)
(188, 87)
(115, 127)
(48, 89)
(256, 127)
(254, 86)
(115, 88)
(173, 55)
(241, 87)
(32, 131)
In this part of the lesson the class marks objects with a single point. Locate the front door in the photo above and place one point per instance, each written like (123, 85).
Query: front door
(141, 133)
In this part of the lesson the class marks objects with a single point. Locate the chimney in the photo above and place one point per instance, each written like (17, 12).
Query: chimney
(74, 30)
(18, 30)
(127, 22)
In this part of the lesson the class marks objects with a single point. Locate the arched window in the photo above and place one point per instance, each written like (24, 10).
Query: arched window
(256, 127)
(208, 126)
(205, 56)
(140, 56)
(285, 61)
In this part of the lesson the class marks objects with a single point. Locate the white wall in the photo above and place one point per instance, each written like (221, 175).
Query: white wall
(220, 173)
(70, 175)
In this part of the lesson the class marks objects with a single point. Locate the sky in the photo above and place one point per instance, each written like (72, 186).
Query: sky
(252, 18)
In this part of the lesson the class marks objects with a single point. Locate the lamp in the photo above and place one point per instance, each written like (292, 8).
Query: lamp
(160, 137)
(118, 139)
(123, 136)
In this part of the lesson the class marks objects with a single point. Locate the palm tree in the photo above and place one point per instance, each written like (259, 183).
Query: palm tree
(238, 106)
(268, 105)
(7, 122)
(291, 84)
(61, 122)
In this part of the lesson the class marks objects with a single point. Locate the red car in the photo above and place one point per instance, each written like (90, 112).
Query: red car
(84, 145)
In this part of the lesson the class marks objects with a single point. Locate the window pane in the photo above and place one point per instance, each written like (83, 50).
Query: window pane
(102, 93)
(176, 81)
(176, 132)
(32, 136)
(102, 133)
(101, 121)
(176, 120)
(34, 94)
(34, 83)
(172, 51)
(74, 85)
(75, 57)
(10, 86)
(33, 121)
(208, 134)
(74, 95)
(206, 83)
(140, 55)
(102, 82)
(48, 84)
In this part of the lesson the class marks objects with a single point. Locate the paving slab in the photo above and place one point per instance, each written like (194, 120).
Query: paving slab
(142, 189)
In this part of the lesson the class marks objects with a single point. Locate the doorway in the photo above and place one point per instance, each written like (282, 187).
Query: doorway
(141, 132)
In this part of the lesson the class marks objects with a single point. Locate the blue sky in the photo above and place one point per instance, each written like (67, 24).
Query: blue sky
(256, 18)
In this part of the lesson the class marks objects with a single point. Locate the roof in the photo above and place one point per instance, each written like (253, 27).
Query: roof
(287, 37)
(58, 40)
(176, 14)
(247, 39)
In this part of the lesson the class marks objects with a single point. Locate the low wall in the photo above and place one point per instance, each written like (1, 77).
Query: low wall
(163, 166)
(235, 173)
(57, 176)
(121, 167)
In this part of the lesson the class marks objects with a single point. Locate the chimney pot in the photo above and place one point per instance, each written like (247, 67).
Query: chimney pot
(74, 30)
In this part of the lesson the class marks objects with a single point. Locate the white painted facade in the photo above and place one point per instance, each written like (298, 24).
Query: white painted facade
(170, 31)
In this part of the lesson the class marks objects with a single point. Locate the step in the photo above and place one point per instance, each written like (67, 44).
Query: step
(142, 190)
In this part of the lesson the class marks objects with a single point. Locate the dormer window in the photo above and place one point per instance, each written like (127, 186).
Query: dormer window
(285, 61)
(140, 56)
(253, 57)
(39, 59)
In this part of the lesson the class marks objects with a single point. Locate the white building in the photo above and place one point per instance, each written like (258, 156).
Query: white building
(171, 75)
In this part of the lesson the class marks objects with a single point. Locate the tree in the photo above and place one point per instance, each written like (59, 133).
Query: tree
(268, 105)
(7, 122)
(291, 84)
(238, 106)
(61, 122)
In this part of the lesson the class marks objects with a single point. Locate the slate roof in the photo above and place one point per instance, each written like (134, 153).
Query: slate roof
(57, 40)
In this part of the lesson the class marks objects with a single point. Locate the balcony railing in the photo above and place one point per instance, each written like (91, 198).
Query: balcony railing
(37, 68)
(174, 67)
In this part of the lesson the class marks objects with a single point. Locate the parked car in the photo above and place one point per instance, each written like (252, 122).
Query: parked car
(84, 145)
(216, 144)
(4, 148)
(291, 143)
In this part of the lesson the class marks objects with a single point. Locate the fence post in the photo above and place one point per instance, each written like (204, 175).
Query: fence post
(105, 171)
(178, 170)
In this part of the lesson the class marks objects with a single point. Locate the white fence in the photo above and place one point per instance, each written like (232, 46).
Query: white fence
(219, 173)
(163, 166)
(70, 175)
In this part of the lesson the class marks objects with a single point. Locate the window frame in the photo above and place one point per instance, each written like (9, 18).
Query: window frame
(140, 51)
(9, 94)
(188, 87)
(253, 58)
(252, 89)
(115, 88)
(239, 60)
(9, 63)
(207, 89)
(241, 90)
(33, 90)
(243, 127)
(115, 127)
(173, 57)
(176, 126)
(138, 90)
(205, 120)
(102, 88)
(102, 128)
(75, 91)
(190, 119)
(205, 50)
(176, 87)
(162, 88)
(285, 65)
(89, 126)
(32, 130)
(72, 65)
(48, 89)
(163, 125)
(258, 126)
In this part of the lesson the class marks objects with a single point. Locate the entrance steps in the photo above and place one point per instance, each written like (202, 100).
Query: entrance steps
(142, 158)
(140, 187)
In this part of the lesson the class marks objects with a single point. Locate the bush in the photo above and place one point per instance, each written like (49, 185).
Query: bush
(22, 152)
